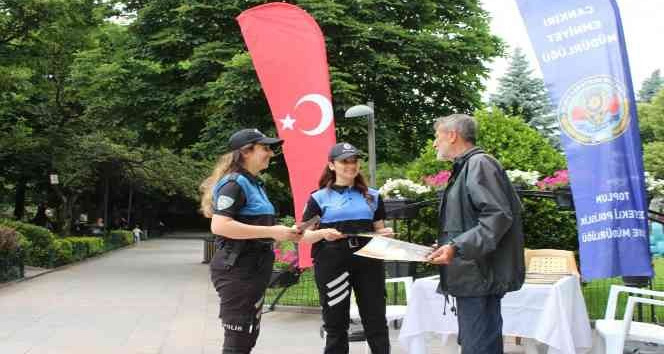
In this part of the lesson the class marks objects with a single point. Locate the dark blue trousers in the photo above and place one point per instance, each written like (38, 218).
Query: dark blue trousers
(480, 324)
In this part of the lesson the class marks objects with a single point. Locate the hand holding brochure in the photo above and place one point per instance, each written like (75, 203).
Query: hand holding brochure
(394, 250)
(305, 225)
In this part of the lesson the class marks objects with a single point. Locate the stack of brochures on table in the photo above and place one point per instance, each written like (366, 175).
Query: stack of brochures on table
(547, 269)
(545, 278)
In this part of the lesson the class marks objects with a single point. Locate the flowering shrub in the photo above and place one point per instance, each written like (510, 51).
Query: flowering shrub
(523, 178)
(654, 186)
(439, 180)
(285, 258)
(559, 179)
(402, 189)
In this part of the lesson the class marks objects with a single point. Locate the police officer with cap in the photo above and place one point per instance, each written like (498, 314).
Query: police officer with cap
(347, 207)
(243, 219)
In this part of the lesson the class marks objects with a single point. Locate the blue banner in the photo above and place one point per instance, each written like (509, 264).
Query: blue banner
(581, 50)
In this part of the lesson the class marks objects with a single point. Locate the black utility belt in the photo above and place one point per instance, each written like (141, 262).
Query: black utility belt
(249, 245)
(353, 242)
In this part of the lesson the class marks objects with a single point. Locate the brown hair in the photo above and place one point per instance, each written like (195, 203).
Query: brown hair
(328, 177)
(226, 164)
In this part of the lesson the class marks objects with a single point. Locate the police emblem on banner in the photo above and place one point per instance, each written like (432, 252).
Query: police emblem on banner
(594, 110)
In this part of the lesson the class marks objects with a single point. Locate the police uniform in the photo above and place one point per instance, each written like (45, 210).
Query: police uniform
(337, 270)
(241, 269)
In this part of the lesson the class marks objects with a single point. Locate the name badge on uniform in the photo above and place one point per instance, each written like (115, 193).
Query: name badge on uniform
(224, 202)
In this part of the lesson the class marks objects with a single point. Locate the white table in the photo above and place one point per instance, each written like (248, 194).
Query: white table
(552, 314)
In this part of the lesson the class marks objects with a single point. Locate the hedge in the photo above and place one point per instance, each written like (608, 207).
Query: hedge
(41, 248)
(12, 251)
(41, 252)
(119, 238)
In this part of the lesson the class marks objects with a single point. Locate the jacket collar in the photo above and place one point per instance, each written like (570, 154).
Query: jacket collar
(460, 160)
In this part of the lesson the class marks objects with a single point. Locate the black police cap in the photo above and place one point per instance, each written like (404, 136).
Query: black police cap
(342, 151)
(251, 136)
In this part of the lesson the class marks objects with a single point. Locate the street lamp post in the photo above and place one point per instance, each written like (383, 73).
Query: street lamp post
(368, 111)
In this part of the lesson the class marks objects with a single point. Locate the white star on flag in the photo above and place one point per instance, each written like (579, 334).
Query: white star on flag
(287, 123)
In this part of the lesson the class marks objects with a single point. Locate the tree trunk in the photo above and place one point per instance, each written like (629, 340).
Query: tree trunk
(66, 212)
(106, 191)
(131, 195)
(19, 199)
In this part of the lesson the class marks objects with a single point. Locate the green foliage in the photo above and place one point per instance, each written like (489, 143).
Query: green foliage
(136, 103)
(42, 242)
(653, 157)
(651, 119)
(515, 144)
(64, 252)
(287, 220)
(84, 247)
(426, 164)
(651, 86)
(400, 55)
(119, 238)
(546, 226)
(523, 95)
(424, 228)
(388, 170)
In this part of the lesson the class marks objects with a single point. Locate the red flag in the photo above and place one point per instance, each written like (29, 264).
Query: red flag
(288, 51)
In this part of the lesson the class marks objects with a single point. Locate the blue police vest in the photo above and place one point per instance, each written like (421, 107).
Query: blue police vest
(345, 205)
(256, 199)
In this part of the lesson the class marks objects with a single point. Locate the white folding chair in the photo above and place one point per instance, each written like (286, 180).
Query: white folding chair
(615, 332)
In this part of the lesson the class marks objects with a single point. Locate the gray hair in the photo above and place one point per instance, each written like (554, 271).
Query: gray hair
(463, 124)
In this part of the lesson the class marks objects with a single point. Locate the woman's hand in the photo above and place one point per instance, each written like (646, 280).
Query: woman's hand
(284, 233)
(330, 234)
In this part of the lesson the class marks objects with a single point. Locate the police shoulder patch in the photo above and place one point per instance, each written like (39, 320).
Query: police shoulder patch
(224, 202)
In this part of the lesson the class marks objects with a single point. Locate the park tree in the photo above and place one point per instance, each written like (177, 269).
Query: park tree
(651, 86)
(651, 119)
(651, 123)
(25, 89)
(415, 60)
(521, 94)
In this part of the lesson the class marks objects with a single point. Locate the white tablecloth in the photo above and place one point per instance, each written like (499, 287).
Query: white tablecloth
(551, 314)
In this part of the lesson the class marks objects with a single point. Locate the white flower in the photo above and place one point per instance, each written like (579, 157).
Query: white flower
(398, 188)
(654, 186)
(529, 178)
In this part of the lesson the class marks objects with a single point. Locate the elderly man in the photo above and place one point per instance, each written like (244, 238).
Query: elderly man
(481, 256)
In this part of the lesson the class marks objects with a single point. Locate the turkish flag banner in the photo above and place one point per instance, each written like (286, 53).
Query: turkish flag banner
(288, 51)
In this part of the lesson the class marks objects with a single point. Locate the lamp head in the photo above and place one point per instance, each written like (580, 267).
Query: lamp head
(358, 111)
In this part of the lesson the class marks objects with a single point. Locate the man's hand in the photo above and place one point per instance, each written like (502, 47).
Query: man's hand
(442, 255)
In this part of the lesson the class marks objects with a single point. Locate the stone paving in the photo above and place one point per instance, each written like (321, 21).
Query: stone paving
(153, 298)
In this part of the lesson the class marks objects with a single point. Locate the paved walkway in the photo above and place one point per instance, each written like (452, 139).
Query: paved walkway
(152, 298)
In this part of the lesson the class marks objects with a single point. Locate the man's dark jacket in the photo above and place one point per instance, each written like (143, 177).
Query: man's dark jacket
(481, 216)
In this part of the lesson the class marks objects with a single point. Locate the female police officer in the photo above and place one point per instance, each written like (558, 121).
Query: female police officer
(346, 207)
(244, 221)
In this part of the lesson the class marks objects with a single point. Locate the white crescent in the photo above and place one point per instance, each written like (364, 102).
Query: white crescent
(326, 117)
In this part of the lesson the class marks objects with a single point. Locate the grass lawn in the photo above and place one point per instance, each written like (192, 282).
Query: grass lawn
(596, 293)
